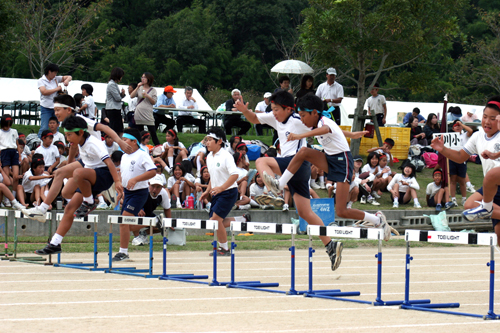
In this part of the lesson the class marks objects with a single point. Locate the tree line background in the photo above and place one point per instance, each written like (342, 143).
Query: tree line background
(415, 50)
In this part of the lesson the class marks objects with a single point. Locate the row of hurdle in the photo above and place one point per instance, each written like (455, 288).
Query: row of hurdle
(483, 239)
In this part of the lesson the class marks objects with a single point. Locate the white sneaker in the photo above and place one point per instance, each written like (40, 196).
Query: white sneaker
(464, 199)
(454, 200)
(142, 239)
(35, 214)
(384, 225)
(322, 185)
(349, 205)
(207, 208)
(417, 205)
(178, 204)
(314, 186)
(6, 202)
(18, 206)
(375, 195)
(102, 205)
(285, 207)
(245, 207)
(395, 204)
(271, 183)
(471, 189)
(375, 202)
(362, 200)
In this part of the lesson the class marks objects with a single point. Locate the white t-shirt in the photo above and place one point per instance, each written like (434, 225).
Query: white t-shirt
(8, 139)
(432, 189)
(261, 106)
(58, 136)
(91, 125)
(376, 104)
(28, 185)
(165, 198)
(221, 166)
(291, 125)
(241, 173)
(49, 154)
(326, 91)
(171, 181)
(114, 147)
(399, 178)
(478, 143)
(333, 142)
(47, 101)
(90, 110)
(184, 104)
(196, 149)
(93, 152)
(166, 145)
(368, 168)
(62, 159)
(256, 190)
(135, 164)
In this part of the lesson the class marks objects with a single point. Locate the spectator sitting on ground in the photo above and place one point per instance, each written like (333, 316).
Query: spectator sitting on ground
(53, 127)
(186, 117)
(174, 151)
(165, 100)
(385, 150)
(49, 151)
(234, 120)
(111, 146)
(415, 114)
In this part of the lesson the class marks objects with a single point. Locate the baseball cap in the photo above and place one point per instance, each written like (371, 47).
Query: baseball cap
(169, 89)
(156, 180)
(267, 95)
(331, 70)
(357, 158)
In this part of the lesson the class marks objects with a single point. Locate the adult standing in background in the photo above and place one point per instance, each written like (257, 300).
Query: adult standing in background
(49, 86)
(146, 98)
(378, 105)
(234, 120)
(331, 93)
(114, 101)
(306, 87)
(186, 117)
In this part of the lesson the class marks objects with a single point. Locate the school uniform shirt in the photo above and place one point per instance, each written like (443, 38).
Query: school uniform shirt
(163, 200)
(199, 147)
(135, 164)
(381, 152)
(256, 190)
(114, 147)
(58, 136)
(241, 173)
(292, 124)
(221, 166)
(29, 185)
(399, 178)
(385, 174)
(171, 181)
(376, 104)
(333, 142)
(90, 110)
(8, 139)
(93, 152)
(91, 125)
(61, 160)
(49, 153)
(368, 168)
(26, 151)
(478, 143)
(432, 189)
(166, 145)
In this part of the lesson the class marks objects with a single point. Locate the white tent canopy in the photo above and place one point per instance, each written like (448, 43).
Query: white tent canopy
(27, 90)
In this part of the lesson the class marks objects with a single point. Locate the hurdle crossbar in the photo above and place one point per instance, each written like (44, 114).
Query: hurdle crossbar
(266, 228)
(486, 239)
(30, 260)
(132, 220)
(6, 254)
(211, 225)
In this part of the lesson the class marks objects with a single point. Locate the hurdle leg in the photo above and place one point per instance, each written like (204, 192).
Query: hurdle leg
(491, 314)
(292, 290)
(214, 247)
(31, 260)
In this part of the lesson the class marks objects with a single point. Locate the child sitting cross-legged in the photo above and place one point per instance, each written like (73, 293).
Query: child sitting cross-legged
(256, 189)
(31, 191)
(436, 193)
(404, 186)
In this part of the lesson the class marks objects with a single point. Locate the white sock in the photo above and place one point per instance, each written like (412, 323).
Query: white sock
(487, 205)
(101, 199)
(185, 159)
(122, 250)
(89, 200)
(171, 161)
(328, 185)
(285, 177)
(178, 201)
(415, 201)
(14, 193)
(372, 218)
(45, 193)
(321, 179)
(56, 239)
(14, 201)
(253, 203)
(43, 207)
(311, 181)
(198, 164)
(396, 200)
(224, 246)
(240, 219)
(468, 184)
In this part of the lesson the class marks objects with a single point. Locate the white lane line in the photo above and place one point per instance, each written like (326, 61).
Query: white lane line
(104, 289)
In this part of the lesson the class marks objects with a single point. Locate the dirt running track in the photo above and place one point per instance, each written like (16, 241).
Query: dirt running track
(35, 298)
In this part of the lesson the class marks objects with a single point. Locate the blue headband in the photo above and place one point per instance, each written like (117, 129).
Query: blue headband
(323, 113)
(133, 138)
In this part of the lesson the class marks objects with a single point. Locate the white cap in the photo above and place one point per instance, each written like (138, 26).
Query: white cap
(472, 111)
(156, 180)
(331, 70)
(267, 95)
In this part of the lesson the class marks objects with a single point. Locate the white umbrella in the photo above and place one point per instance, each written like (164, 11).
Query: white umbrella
(292, 67)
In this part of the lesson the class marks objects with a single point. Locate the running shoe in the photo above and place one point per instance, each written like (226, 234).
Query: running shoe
(271, 183)
(221, 253)
(18, 206)
(49, 249)
(438, 208)
(375, 195)
(141, 239)
(247, 217)
(471, 189)
(395, 204)
(85, 209)
(384, 225)
(266, 200)
(35, 214)
(417, 205)
(121, 257)
(244, 207)
(449, 205)
(285, 208)
(334, 250)
(476, 213)
(464, 199)
(362, 200)
(314, 185)
(102, 205)
(159, 224)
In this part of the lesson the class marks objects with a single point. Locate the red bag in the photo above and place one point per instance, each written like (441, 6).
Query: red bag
(430, 159)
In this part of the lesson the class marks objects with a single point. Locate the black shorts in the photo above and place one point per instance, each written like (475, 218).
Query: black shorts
(431, 202)
(340, 167)
(9, 157)
(223, 202)
(496, 200)
(458, 169)
(103, 181)
(299, 183)
(401, 197)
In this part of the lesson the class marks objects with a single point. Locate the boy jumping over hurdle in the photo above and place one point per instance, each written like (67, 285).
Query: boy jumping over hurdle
(285, 121)
(97, 176)
(222, 186)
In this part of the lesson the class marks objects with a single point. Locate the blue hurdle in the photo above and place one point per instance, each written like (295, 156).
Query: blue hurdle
(211, 225)
(268, 228)
(31, 260)
(132, 220)
(6, 254)
(487, 239)
(353, 233)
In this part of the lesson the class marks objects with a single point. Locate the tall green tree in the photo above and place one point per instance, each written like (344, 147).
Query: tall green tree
(364, 39)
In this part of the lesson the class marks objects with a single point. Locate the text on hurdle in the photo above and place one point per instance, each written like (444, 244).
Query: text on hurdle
(262, 227)
(190, 224)
(451, 237)
(133, 220)
(89, 218)
(345, 232)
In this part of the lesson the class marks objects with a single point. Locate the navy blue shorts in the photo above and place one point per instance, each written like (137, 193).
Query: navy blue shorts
(299, 183)
(9, 157)
(459, 169)
(431, 202)
(496, 200)
(340, 167)
(103, 181)
(223, 202)
(401, 197)
(133, 201)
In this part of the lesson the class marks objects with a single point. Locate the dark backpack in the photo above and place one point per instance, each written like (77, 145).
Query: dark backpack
(33, 141)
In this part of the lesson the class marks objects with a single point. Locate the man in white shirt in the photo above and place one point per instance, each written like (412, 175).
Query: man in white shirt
(185, 117)
(377, 104)
(331, 93)
(261, 108)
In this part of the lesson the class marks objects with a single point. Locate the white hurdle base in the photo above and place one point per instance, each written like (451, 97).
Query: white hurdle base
(486, 239)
